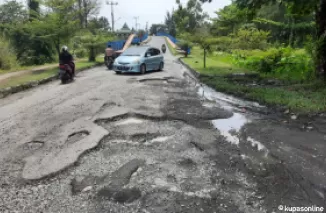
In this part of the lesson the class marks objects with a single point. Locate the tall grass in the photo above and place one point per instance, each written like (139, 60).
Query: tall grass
(7, 55)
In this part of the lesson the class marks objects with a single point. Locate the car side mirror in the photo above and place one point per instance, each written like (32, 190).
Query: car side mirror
(148, 55)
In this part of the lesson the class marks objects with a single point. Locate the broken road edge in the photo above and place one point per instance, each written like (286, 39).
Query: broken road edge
(19, 88)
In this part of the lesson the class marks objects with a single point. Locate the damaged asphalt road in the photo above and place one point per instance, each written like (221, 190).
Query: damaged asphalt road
(147, 143)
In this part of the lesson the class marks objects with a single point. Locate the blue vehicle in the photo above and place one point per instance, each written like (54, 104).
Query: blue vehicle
(139, 59)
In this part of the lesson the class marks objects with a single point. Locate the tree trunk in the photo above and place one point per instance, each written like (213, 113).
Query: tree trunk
(92, 57)
(57, 47)
(85, 14)
(204, 58)
(80, 13)
(321, 35)
(291, 37)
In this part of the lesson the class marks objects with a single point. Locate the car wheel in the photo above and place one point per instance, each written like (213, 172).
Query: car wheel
(118, 72)
(161, 66)
(143, 69)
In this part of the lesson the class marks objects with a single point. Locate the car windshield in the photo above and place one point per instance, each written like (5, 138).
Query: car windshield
(133, 52)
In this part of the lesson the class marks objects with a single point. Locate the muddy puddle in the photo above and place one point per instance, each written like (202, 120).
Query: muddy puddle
(231, 128)
(227, 101)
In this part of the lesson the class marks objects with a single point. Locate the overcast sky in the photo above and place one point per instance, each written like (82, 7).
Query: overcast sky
(151, 11)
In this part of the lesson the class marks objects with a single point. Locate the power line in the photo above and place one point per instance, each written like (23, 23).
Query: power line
(136, 19)
(112, 3)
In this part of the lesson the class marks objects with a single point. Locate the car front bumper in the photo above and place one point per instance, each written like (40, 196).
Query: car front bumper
(126, 68)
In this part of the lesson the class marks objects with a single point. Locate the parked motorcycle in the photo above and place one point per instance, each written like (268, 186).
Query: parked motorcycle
(65, 73)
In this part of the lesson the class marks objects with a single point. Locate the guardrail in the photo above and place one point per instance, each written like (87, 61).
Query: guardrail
(173, 39)
(118, 45)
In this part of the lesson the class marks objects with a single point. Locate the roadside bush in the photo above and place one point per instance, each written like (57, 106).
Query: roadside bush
(81, 53)
(244, 39)
(184, 45)
(7, 55)
(286, 63)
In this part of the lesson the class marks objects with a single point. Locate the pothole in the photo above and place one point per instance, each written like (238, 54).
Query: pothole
(77, 136)
(29, 148)
(33, 145)
(142, 138)
(129, 121)
(154, 80)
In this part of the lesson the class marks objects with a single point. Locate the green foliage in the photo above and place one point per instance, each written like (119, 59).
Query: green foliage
(158, 28)
(170, 23)
(57, 27)
(7, 55)
(229, 20)
(245, 39)
(251, 38)
(189, 17)
(81, 53)
(286, 63)
(101, 23)
(12, 12)
(92, 42)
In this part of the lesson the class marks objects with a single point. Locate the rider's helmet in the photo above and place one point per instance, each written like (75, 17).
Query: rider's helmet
(64, 48)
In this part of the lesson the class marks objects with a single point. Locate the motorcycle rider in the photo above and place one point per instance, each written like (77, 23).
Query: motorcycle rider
(110, 56)
(66, 58)
(163, 48)
(109, 51)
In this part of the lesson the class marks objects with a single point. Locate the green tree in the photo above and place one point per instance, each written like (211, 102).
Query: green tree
(170, 23)
(93, 42)
(12, 12)
(302, 7)
(99, 23)
(229, 19)
(34, 8)
(205, 40)
(189, 17)
(87, 9)
(156, 28)
(57, 26)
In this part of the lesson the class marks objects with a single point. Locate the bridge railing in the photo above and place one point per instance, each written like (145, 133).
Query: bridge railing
(173, 39)
(118, 45)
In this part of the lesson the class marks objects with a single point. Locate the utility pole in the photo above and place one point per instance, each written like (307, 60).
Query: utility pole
(112, 3)
(146, 27)
(136, 19)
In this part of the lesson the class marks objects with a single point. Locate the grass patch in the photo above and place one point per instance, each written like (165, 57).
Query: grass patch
(301, 98)
(216, 64)
(296, 98)
(39, 75)
(20, 68)
(172, 50)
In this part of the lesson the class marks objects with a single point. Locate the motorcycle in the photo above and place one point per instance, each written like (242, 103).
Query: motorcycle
(109, 60)
(163, 48)
(65, 73)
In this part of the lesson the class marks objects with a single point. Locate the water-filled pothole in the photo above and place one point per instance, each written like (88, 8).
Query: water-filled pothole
(233, 124)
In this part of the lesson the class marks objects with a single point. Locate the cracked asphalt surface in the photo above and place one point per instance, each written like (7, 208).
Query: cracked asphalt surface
(147, 143)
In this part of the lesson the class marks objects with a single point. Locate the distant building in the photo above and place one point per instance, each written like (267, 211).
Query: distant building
(124, 32)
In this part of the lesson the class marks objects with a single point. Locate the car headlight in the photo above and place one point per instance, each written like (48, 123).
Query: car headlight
(137, 61)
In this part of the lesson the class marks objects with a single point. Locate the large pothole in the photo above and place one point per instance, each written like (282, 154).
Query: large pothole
(77, 136)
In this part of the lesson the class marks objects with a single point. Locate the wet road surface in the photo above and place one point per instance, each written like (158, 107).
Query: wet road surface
(159, 142)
